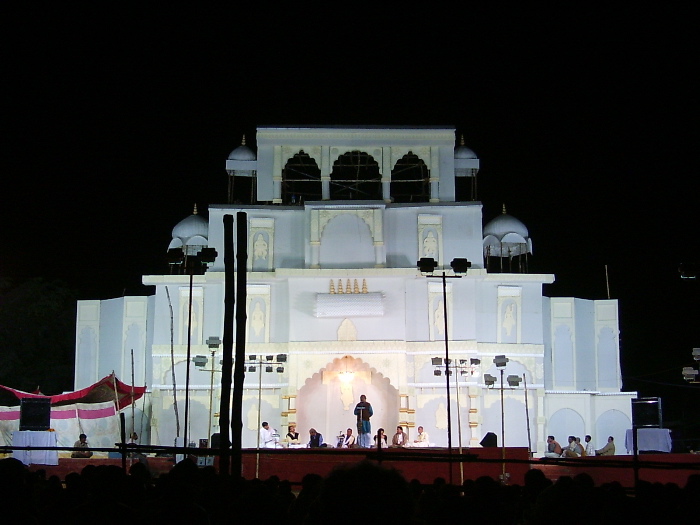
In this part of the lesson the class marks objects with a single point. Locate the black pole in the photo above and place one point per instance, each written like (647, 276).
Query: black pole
(189, 352)
(122, 445)
(447, 375)
(227, 348)
(239, 374)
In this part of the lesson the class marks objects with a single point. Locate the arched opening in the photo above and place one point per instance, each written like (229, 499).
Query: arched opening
(356, 176)
(410, 180)
(327, 400)
(301, 180)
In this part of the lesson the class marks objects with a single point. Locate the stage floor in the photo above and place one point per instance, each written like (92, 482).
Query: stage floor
(426, 465)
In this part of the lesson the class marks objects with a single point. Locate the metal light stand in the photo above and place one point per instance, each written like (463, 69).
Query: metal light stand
(427, 265)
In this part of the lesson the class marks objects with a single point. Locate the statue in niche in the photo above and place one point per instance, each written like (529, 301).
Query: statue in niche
(509, 318)
(260, 247)
(430, 245)
(346, 395)
(441, 416)
(252, 418)
(257, 319)
(347, 331)
(439, 316)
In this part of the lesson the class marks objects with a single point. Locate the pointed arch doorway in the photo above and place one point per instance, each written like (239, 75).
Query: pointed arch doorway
(327, 400)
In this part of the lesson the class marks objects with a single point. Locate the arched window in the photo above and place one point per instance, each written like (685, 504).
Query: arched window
(356, 176)
(301, 180)
(410, 180)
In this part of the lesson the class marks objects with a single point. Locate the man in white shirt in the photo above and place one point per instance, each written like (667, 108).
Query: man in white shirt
(422, 439)
(590, 449)
(268, 436)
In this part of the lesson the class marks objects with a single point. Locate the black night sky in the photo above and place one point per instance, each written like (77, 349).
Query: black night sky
(586, 122)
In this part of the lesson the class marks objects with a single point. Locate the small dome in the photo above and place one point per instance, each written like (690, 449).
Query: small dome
(463, 152)
(242, 152)
(189, 227)
(505, 224)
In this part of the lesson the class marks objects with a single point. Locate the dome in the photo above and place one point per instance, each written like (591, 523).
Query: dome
(463, 152)
(505, 224)
(242, 152)
(189, 227)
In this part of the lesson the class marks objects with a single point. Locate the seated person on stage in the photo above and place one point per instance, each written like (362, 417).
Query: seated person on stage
(400, 439)
(554, 449)
(380, 439)
(590, 449)
(579, 448)
(82, 444)
(422, 439)
(571, 451)
(608, 449)
(348, 439)
(316, 439)
(292, 435)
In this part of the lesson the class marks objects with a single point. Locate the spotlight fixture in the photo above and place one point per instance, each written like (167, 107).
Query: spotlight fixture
(252, 368)
(513, 380)
(500, 361)
(281, 358)
(489, 380)
(427, 265)
(200, 360)
(252, 357)
(460, 266)
(213, 342)
(475, 362)
(268, 368)
(269, 357)
(690, 374)
(437, 361)
(437, 372)
(280, 369)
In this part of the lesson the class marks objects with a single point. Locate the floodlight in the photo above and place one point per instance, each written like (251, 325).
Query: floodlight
(475, 362)
(448, 372)
(437, 361)
(269, 357)
(213, 342)
(460, 265)
(489, 380)
(689, 373)
(427, 265)
(437, 372)
(696, 354)
(500, 361)
(251, 368)
(513, 380)
(268, 368)
(281, 358)
(200, 360)
(207, 255)
(252, 357)
(280, 369)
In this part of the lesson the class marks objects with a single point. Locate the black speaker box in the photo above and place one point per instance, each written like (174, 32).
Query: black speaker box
(490, 440)
(35, 413)
(646, 412)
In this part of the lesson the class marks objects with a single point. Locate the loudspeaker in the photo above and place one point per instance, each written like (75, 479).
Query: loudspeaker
(35, 413)
(490, 440)
(646, 412)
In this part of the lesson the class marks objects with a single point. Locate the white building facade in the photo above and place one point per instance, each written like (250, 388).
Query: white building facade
(341, 215)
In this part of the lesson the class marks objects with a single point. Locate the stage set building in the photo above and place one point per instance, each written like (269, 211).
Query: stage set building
(337, 219)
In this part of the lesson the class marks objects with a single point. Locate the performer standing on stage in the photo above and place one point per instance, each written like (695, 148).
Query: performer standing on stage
(363, 411)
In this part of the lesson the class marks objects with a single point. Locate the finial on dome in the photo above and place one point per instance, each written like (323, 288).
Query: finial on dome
(243, 141)
(461, 139)
(504, 208)
(195, 209)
